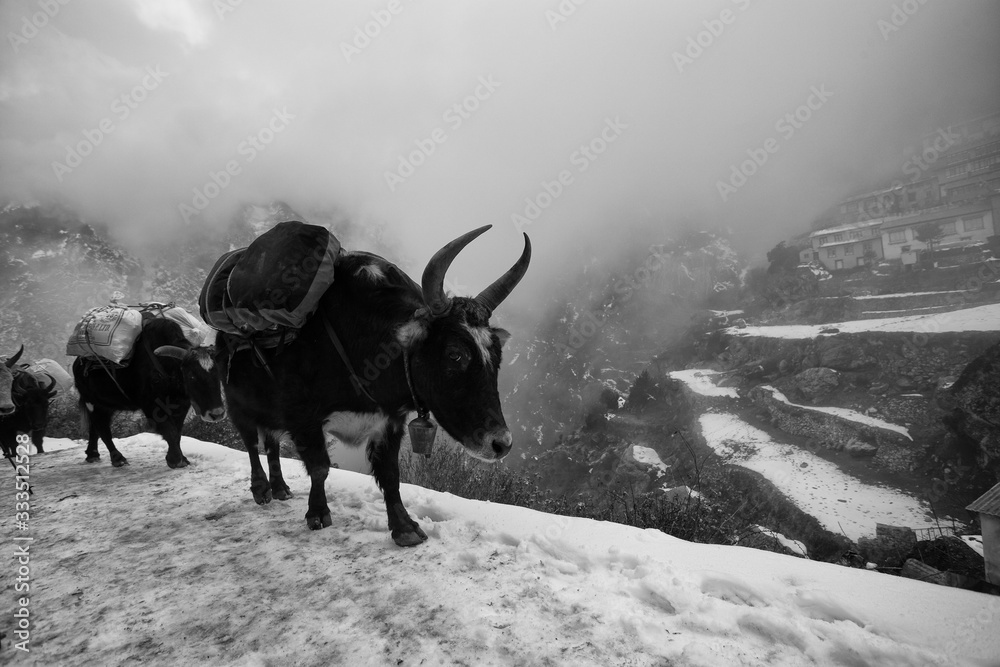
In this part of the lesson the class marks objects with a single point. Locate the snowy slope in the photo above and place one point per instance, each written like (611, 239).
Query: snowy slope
(981, 318)
(180, 567)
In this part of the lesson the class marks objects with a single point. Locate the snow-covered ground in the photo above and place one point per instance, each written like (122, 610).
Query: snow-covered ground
(700, 382)
(981, 318)
(843, 413)
(145, 564)
(840, 502)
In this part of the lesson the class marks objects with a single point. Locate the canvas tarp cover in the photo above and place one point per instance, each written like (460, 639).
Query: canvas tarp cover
(107, 332)
(272, 285)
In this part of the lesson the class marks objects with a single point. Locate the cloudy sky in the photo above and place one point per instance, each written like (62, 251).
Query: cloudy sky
(434, 117)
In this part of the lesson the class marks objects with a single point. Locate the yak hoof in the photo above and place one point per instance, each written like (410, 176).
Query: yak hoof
(409, 539)
(183, 463)
(281, 493)
(93, 458)
(119, 461)
(261, 497)
(319, 523)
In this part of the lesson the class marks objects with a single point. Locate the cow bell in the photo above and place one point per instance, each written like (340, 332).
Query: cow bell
(422, 432)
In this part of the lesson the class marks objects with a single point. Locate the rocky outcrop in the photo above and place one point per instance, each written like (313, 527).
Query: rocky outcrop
(975, 398)
(816, 383)
(894, 362)
(858, 436)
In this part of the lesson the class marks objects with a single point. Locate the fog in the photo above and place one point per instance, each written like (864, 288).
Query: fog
(618, 121)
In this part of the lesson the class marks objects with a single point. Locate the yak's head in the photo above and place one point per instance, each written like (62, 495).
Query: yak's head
(201, 381)
(6, 382)
(32, 395)
(455, 353)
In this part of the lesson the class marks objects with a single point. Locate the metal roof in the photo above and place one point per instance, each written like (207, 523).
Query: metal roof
(988, 503)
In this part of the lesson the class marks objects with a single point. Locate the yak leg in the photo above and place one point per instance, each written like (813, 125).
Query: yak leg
(311, 445)
(100, 427)
(168, 420)
(279, 489)
(383, 455)
(252, 437)
(37, 438)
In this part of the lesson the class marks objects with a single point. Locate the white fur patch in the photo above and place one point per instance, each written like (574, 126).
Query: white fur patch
(484, 340)
(206, 362)
(373, 271)
(356, 429)
(410, 333)
(90, 407)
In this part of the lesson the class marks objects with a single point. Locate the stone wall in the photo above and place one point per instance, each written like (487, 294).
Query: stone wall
(891, 361)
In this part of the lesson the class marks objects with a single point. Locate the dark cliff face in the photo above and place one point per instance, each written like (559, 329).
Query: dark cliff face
(975, 416)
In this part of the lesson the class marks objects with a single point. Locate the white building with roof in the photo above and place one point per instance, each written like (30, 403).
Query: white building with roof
(845, 246)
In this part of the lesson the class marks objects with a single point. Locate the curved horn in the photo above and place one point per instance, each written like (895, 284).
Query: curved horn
(13, 360)
(432, 281)
(50, 391)
(171, 351)
(493, 296)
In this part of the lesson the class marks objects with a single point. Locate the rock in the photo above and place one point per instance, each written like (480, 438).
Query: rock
(859, 449)
(903, 382)
(841, 354)
(878, 388)
(817, 382)
(976, 414)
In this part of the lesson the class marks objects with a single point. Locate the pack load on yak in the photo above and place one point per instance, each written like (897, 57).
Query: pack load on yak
(265, 292)
(108, 333)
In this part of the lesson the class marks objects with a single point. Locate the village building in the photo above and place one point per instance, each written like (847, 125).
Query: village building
(959, 225)
(988, 508)
(845, 246)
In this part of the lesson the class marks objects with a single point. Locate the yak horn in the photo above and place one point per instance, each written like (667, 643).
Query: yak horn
(13, 360)
(171, 351)
(493, 296)
(50, 391)
(432, 282)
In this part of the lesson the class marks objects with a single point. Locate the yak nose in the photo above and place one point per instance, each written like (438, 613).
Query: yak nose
(215, 415)
(501, 443)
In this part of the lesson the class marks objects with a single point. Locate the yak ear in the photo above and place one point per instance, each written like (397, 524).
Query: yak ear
(170, 351)
(503, 335)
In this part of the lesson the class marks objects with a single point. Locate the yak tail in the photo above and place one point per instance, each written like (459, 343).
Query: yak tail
(84, 418)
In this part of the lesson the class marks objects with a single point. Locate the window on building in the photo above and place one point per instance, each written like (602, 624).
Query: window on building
(848, 249)
(822, 240)
(973, 224)
(839, 264)
(855, 235)
(947, 228)
(866, 246)
(837, 238)
(898, 236)
(831, 252)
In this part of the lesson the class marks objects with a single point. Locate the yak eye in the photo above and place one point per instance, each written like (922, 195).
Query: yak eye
(455, 356)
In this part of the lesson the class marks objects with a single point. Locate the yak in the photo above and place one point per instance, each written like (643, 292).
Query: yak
(417, 349)
(164, 378)
(7, 406)
(31, 396)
